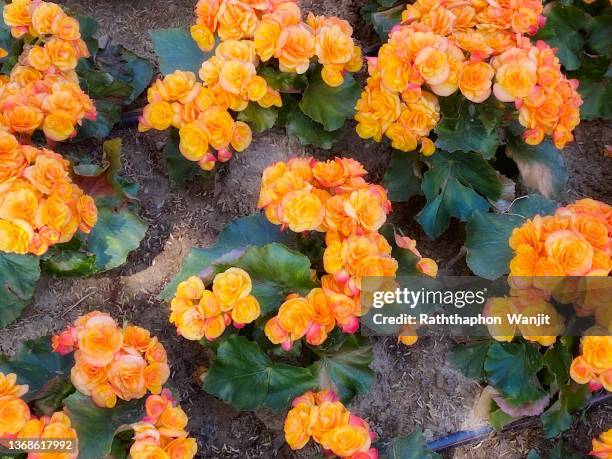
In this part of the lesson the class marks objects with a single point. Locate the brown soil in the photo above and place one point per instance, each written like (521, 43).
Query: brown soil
(413, 386)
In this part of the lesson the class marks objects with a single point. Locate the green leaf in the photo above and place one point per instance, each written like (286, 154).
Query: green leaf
(176, 50)
(115, 235)
(558, 418)
(599, 29)
(100, 84)
(562, 31)
(454, 186)
(558, 359)
(50, 397)
(490, 113)
(259, 118)
(180, 169)
(241, 233)
(344, 365)
(96, 427)
(36, 365)
(283, 81)
(533, 204)
(597, 99)
(242, 375)
(500, 419)
(330, 106)
(541, 166)
(127, 67)
(275, 271)
(69, 263)
(512, 369)
(108, 114)
(11, 45)
(309, 132)
(462, 129)
(88, 27)
(412, 446)
(400, 179)
(18, 275)
(469, 359)
(384, 21)
(488, 253)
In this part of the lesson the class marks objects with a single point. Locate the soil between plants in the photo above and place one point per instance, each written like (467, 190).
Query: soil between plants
(413, 386)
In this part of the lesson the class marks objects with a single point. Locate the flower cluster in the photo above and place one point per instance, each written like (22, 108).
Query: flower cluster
(202, 118)
(277, 31)
(42, 90)
(16, 420)
(113, 362)
(250, 33)
(602, 446)
(322, 417)
(478, 48)
(199, 313)
(575, 241)
(594, 364)
(39, 204)
(161, 434)
(333, 197)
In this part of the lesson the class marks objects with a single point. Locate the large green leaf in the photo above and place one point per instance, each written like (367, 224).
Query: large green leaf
(469, 359)
(597, 97)
(488, 252)
(541, 166)
(115, 235)
(125, 66)
(96, 427)
(456, 185)
(244, 376)
(533, 204)
(400, 179)
(68, 261)
(100, 84)
(260, 119)
(558, 417)
(411, 446)
(557, 360)
(462, 129)
(180, 169)
(275, 271)
(283, 81)
(241, 233)
(308, 131)
(599, 29)
(344, 365)
(330, 106)
(512, 369)
(18, 275)
(562, 31)
(36, 365)
(176, 50)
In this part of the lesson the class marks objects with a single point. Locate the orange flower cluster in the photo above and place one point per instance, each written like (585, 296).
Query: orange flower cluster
(199, 313)
(113, 362)
(39, 204)
(322, 417)
(277, 31)
(16, 420)
(42, 91)
(576, 241)
(161, 434)
(333, 197)
(201, 116)
(594, 364)
(444, 46)
(602, 446)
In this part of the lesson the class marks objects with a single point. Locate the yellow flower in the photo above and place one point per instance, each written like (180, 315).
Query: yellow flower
(231, 286)
(246, 310)
(296, 426)
(193, 141)
(203, 36)
(302, 210)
